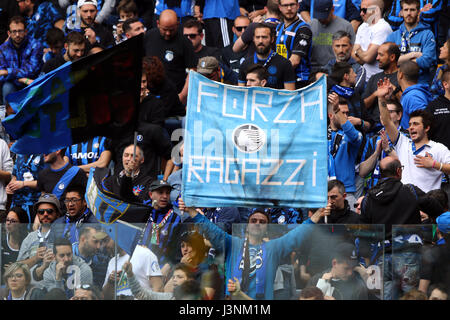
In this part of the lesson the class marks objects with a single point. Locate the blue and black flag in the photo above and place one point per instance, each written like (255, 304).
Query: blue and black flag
(97, 95)
(123, 221)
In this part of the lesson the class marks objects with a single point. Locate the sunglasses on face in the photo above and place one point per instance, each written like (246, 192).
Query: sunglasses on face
(191, 35)
(49, 211)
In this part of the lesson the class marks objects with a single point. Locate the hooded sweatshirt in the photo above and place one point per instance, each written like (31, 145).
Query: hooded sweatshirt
(419, 39)
(413, 98)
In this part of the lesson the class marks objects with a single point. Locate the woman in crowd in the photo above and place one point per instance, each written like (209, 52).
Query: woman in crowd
(17, 278)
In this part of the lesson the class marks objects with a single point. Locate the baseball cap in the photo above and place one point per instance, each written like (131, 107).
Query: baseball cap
(48, 198)
(346, 251)
(157, 184)
(443, 222)
(322, 8)
(83, 2)
(207, 65)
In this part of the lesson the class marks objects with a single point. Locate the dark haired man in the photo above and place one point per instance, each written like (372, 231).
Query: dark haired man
(193, 30)
(281, 72)
(440, 111)
(75, 48)
(424, 159)
(387, 57)
(415, 95)
(133, 27)
(256, 76)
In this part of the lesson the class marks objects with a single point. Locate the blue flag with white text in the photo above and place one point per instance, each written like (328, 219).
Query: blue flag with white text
(254, 146)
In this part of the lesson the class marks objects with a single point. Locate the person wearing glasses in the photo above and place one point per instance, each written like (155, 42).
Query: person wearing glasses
(370, 35)
(18, 278)
(36, 248)
(193, 30)
(20, 58)
(87, 292)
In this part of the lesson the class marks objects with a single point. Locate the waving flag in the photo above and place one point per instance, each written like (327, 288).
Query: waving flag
(95, 96)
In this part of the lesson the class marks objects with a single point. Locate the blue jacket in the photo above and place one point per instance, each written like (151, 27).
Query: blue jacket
(423, 41)
(276, 249)
(22, 62)
(413, 98)
(342, 165)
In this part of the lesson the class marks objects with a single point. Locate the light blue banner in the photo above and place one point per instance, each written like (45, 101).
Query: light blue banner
(255, 146)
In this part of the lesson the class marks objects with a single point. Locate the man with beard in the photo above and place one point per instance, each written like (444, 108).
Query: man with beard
(75, 48)
(94, 32)
(59, 175)
(281, 72)
(424, 159)
(387, 57)
(67, 271)
(294, 38)
(416, 40)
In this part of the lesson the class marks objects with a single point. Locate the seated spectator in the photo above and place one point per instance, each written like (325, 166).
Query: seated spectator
(127, 9)
(415, 40)
(60, 272)
(59, 174)
(151, 109)
(8, 9)
(414, 294)
(256, 76)
(12, 236)
(20, 58)
(311, 293)
(18, 284)
(74, 49)
(323, 26)
(341, 281)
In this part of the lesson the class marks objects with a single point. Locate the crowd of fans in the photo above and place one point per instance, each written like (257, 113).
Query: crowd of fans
(384, 233)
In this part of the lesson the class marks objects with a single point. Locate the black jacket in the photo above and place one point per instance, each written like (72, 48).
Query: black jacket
(391, 202)
(344, 216)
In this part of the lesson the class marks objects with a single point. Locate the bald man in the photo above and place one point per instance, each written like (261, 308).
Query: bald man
(371, 34)
(175, 51)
